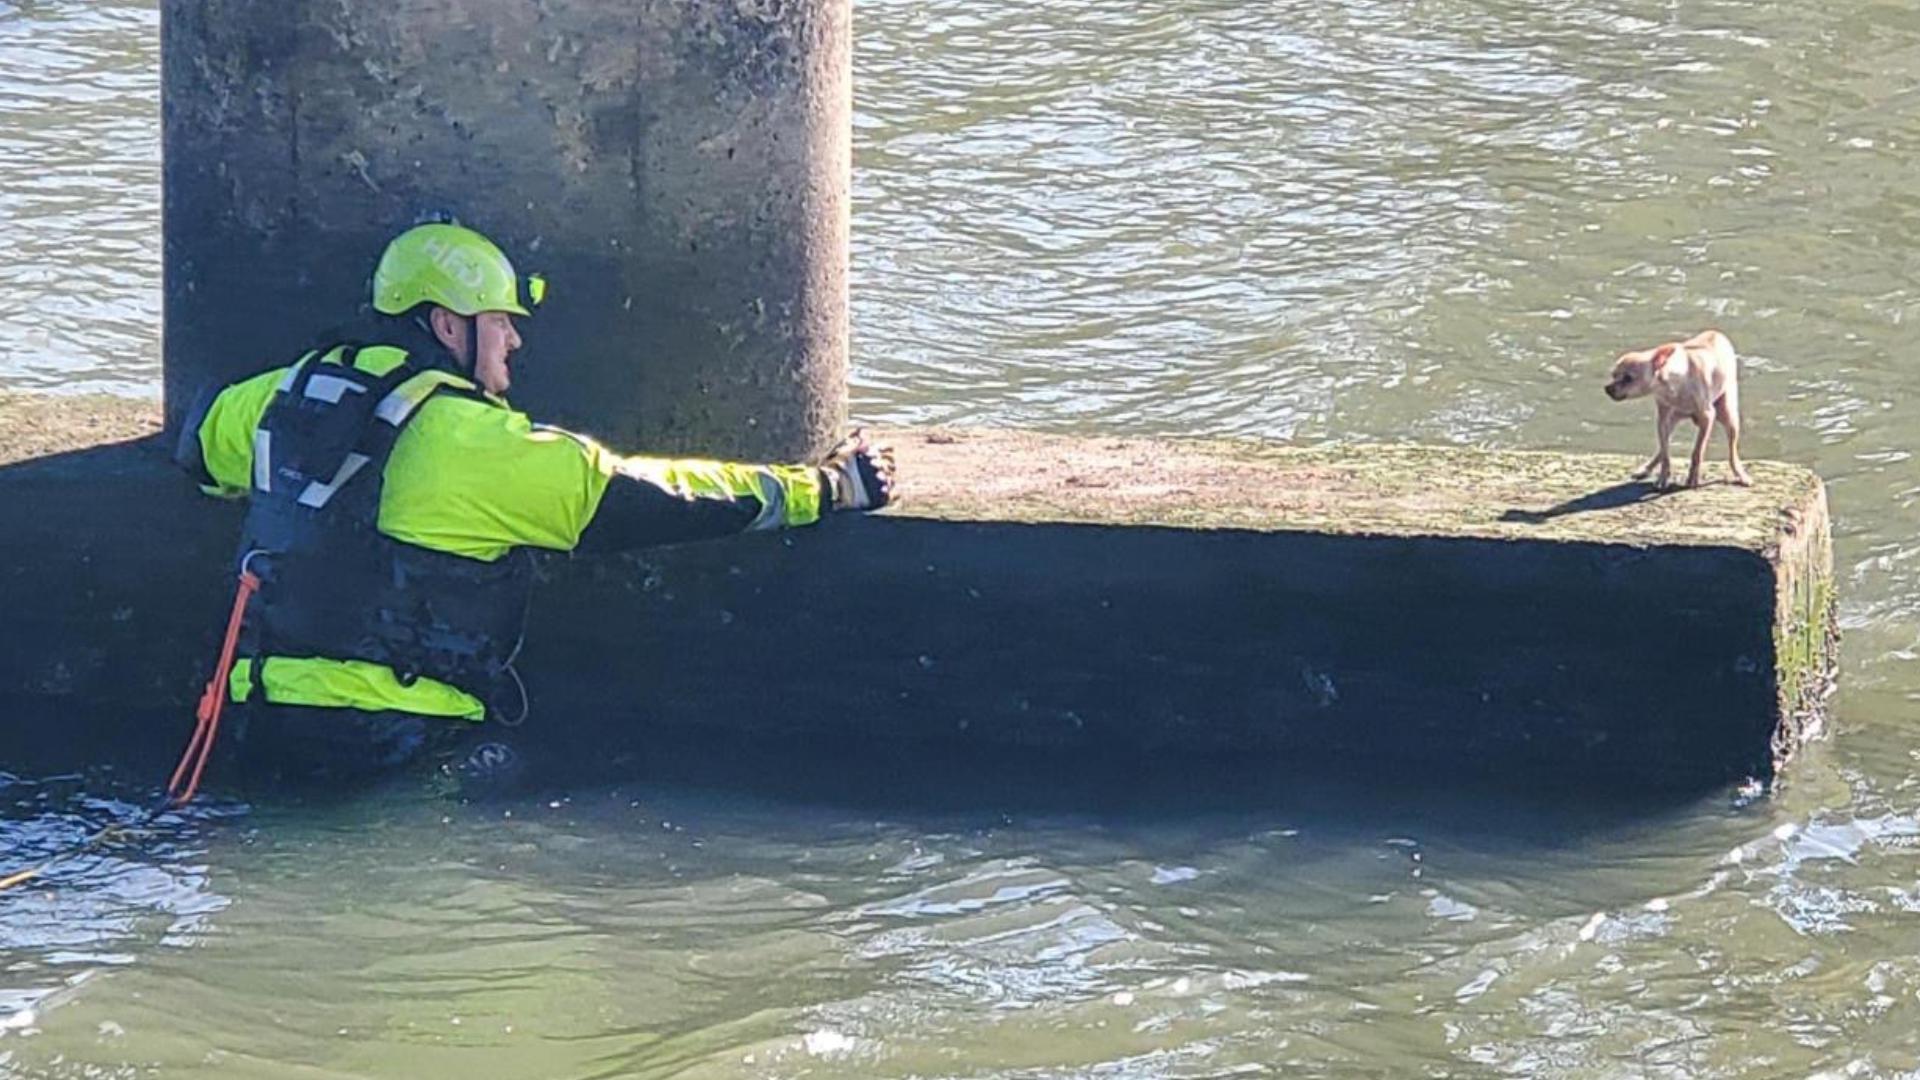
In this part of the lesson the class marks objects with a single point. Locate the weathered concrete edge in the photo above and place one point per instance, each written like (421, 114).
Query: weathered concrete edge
(35, 425)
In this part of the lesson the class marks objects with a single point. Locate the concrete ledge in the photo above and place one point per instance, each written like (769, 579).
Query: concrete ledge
(1437, 609)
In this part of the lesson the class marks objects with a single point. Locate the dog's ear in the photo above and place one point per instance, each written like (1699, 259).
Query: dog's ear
(1661, 355)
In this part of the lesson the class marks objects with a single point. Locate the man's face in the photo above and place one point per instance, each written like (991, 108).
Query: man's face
(495, 339)
(498, 340)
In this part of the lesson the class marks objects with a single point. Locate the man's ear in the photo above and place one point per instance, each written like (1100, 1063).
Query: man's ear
(445, 326)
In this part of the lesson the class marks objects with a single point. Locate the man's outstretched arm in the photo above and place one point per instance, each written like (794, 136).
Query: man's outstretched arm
(652, 500)
(477, 481)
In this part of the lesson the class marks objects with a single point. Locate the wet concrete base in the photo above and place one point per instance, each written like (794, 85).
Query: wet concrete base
(1135, 606)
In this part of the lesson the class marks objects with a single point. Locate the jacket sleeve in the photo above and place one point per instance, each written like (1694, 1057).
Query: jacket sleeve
(216, 440)
(650, 500)
(477, 480)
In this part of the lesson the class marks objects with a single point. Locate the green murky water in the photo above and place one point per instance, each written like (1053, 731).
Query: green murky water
(1361, 220)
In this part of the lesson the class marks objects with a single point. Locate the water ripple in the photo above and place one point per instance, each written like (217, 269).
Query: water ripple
(79, 206)
(96, 905)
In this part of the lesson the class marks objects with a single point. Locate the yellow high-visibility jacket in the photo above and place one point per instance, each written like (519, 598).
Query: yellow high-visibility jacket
(470, 477)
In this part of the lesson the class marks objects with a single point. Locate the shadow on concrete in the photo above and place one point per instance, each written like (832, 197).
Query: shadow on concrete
(1612, 498)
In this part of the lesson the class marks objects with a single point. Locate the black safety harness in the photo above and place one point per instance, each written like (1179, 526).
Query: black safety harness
(331, 583)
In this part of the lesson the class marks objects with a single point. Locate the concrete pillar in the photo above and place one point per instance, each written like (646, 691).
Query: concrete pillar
(678, 168)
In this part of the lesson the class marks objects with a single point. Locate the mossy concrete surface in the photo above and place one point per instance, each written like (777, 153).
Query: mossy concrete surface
(1511, 615)
(1353, 490)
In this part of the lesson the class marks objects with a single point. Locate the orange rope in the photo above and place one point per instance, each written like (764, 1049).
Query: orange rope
(212, 699)
(23, 876)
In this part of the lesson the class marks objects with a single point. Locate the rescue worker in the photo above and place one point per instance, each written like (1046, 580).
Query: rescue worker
(393, 499)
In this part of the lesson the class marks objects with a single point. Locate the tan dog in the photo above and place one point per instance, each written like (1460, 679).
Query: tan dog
(1697, 379)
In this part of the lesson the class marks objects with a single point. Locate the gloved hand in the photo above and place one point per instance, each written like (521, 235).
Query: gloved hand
(859, 475)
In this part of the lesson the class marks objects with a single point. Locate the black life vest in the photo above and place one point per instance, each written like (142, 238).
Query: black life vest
(331, 584)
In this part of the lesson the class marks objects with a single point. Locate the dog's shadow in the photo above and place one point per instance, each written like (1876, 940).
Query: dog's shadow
(1610, 498)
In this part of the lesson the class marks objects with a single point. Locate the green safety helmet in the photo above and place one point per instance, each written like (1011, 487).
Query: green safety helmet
(452, 266)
